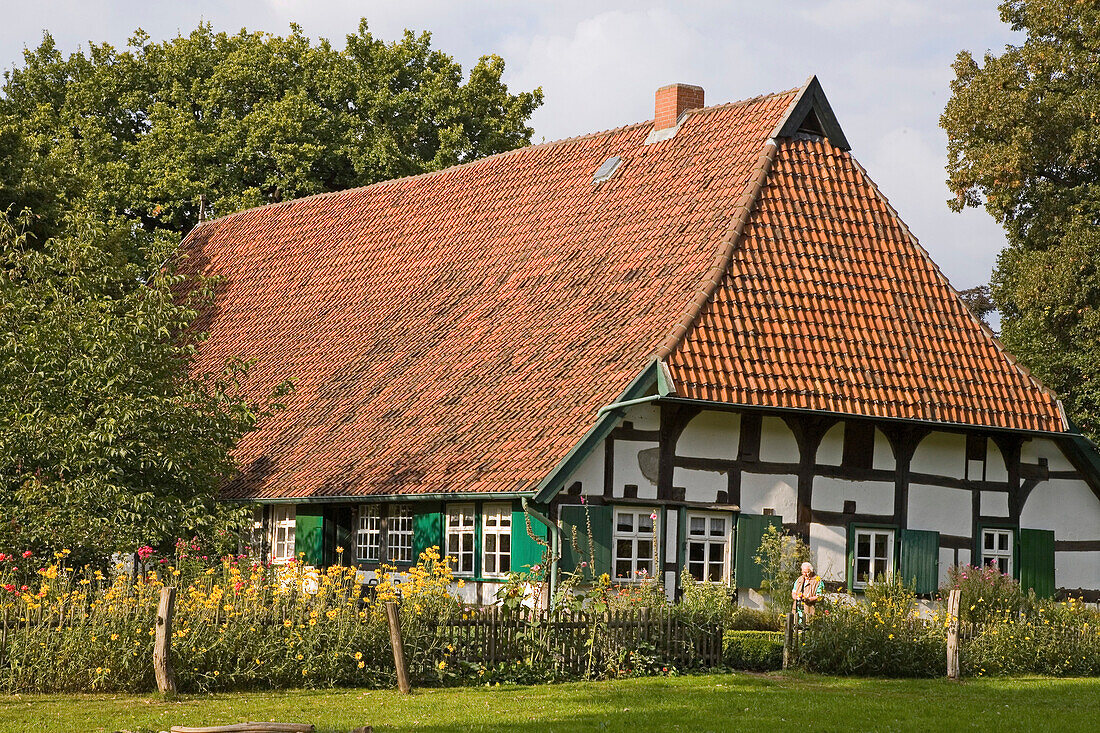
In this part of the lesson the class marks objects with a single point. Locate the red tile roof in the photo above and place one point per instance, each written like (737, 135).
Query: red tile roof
(828, 303)
(457, 331)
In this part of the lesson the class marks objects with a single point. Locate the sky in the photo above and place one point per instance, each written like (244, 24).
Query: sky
(885, 66)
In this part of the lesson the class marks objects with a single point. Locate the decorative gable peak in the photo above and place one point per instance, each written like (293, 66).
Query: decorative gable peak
(810, 114)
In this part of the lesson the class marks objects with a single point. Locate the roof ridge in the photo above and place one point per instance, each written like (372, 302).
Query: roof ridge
(515, 151)
(1008, 357)
(724, 256)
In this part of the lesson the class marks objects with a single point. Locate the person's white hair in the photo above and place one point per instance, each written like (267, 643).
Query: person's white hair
(808, 566)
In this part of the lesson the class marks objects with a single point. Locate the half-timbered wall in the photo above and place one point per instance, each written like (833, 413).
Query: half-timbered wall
(824, 476)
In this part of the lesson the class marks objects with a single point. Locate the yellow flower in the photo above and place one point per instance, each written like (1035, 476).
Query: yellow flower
(358, 655)
(442, 666)
(361, 665)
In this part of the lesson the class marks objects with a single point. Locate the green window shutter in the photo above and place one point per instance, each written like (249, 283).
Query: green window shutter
(920, 559)
(309, 534)
(574, 519)
(1036, 561)
(681, 535)
(427, 528)
(526, 553)
(750, 531)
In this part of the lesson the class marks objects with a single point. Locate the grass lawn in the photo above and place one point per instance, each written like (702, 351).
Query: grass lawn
(721, 702)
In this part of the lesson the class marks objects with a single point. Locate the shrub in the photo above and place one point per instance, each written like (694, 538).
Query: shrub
(780, 557)
(882, 637)
(986, 594)
(751, 619)
(758, 651)
(707, 602)
(1028, 647)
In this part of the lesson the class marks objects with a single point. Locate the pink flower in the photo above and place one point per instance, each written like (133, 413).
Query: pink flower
(653, 515)
(584, 564)
(583, 501)
(27, 554)
(9, 588)
(145, 552)
(3, 557)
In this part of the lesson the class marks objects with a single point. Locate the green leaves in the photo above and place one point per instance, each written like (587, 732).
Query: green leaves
(244, 120)
(1024, 142)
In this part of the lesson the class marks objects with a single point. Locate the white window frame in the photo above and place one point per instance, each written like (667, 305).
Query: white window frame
(368, 536)
(711, 544)
(997, 553)
(496, 530)
(283, 529)
(872, 533)
(634, 538)
(460, 526)
(399, 534)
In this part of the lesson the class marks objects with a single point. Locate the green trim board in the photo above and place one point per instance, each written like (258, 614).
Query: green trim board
(385, 498)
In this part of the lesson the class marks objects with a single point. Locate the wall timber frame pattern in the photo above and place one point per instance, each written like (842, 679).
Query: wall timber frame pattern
(1016, 480)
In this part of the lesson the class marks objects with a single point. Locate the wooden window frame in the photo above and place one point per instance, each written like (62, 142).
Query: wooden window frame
(891, 558)
(500, 532)
(453, 532)
(284, 520)
(1009, 554)
(635, 537)
(708, 540)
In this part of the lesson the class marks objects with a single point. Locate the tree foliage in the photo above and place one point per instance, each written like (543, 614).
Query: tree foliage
(139, 135)
(106, 441)
(1024, 142)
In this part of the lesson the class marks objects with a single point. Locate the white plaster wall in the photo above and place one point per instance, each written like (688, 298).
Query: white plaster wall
(711, 434)
(780, 493)
(1066, 506)
(828, 550)
(941, 454)
(884, 453)
(964, 556)
(871, 497)
(777, 443)
(644, 417)
(700, 485)
(672, 535)
(627, 470)
(993, 504)
(994, 463)
(942, 509)
(947, 559)
(831, 450)
(1077, 570)
(1033, 450)
(590, 473)
(750, 598)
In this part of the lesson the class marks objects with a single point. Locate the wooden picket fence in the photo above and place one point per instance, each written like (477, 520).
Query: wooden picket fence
(578, 642)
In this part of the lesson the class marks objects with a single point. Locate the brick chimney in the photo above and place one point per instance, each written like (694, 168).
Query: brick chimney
(672, 101)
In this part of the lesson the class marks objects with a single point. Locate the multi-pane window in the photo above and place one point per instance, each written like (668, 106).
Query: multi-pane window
(496, 540)
(368, 540)
(282, 524)
(997, 549)
(460, 537)
(874, 556)
(399, 534)
(634, 543)
(706, 537)
(385, 533)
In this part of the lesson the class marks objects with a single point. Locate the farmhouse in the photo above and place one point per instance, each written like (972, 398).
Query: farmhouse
(664, 337)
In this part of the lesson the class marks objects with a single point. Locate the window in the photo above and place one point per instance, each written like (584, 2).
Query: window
(874, 556)
(399, 534)
(635, 532)
(460, 537)
(368, 540)
(707, 542)
(997, 549)
(282, 544)
(496, 540)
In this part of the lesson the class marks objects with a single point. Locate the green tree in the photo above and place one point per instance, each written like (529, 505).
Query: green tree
(780, 557)
(1024, 142)
(106, 441)
(140, 135)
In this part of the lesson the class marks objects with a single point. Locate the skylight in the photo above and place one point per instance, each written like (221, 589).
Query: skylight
(607, 170)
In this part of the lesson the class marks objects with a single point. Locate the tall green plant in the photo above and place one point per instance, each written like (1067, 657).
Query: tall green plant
(780, 557)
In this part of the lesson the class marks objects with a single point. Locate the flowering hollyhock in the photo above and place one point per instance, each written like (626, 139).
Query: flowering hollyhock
(3, 557)
(145, 552)
(27, 554)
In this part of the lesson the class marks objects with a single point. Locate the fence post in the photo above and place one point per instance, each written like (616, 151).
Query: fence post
(953, 635)
(162, 644)
(788, 640)
(398, 648)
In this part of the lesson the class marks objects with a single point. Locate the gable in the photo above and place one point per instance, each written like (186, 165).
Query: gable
(828, 303)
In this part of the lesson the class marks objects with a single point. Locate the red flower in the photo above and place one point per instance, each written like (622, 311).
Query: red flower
(9, 588)
(145, 552)
(27, 554)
